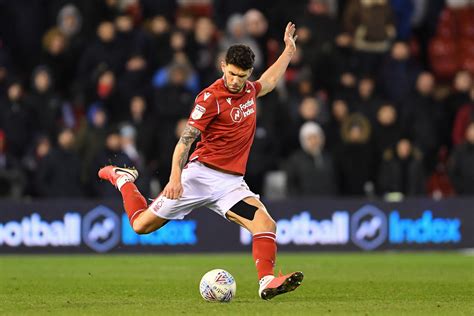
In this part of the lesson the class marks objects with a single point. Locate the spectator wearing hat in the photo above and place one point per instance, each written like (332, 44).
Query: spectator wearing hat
(310, 170)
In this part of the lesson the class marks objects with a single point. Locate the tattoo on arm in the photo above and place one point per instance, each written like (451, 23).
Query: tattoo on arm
(187, 138)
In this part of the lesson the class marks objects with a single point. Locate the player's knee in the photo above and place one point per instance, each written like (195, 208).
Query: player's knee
(140, 227)
(267, 224)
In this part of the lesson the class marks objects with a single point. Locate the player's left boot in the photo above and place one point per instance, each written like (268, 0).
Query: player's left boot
(115, 174)
(271, 286)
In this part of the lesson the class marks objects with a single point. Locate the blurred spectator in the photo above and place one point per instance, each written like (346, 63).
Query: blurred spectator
(337, 58)
(59, 173)
(102, 53)
(371, 24)
(130, 148)
(310, 170)
(386, 131)
(439, 184)
(422, 118)
(322, 25)
(339, 113)
(308, 49)
(57, 58)
(160, 52)
(107, 94)
(367, 100)
(134, 80)
(256, 26)
(309, 110)
(347, 86)
(224, 9)
(236, 33)
(12, 179)
(458, 97)
(463, 118)
(298, 80)
(462, 160)
(45, 104)
(173, 100)
(91, 140)
(354, 157)
(398, 73)
(163, 76)
(144, 125)
(15, 120)
(132, 40)
(402, 170)
(206, 50)
(32, 160)
(181, 44)
(70, 24)
(129, 145)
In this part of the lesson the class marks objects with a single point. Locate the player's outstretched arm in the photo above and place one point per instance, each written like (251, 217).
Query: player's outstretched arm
(174, 189)
(270, 77)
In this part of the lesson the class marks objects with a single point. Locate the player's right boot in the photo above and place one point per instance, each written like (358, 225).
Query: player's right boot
(117, 175)
(271, 286)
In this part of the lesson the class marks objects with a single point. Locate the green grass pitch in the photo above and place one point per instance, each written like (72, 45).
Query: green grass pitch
(334, 284)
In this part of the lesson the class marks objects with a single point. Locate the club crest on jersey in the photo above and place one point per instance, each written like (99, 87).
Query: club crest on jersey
(243, 110)
(236, 115)
(198, 112)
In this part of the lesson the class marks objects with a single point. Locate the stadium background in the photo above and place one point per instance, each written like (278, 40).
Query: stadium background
(387, 167)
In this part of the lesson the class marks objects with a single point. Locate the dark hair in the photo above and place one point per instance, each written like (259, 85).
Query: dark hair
(241, 56)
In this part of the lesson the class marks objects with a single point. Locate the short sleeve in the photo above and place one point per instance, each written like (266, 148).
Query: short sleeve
(204, 111)
(257, 86)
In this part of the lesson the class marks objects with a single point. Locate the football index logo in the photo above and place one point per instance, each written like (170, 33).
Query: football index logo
(368, 227)
(101, 229)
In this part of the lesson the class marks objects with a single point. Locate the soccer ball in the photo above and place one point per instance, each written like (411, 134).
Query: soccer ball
(217, 286)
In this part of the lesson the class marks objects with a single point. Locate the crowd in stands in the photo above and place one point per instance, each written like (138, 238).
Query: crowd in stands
(379, 97)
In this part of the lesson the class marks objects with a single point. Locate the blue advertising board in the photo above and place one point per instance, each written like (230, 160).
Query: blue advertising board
(82, 226)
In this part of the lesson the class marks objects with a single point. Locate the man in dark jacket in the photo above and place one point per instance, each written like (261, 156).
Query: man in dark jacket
(402, 170)
(461, 170)
(59, 173)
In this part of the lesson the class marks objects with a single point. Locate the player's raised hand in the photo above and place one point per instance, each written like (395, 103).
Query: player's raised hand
(290, 37)
(173, 190)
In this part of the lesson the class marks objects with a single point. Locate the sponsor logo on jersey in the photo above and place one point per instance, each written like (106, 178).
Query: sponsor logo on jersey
(198, 112)
(243, 110)
(206, 95)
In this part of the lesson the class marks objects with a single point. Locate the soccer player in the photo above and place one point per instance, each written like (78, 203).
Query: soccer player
(224, 115)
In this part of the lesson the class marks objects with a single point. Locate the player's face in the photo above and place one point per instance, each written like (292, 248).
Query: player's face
(235, 77)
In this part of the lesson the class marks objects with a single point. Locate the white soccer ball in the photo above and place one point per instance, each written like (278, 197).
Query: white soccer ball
(217, 286)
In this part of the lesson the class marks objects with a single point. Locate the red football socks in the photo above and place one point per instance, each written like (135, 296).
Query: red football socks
(133, 201)
(264, 252)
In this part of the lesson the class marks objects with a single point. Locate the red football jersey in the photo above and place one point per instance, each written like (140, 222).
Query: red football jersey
(227, 122)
